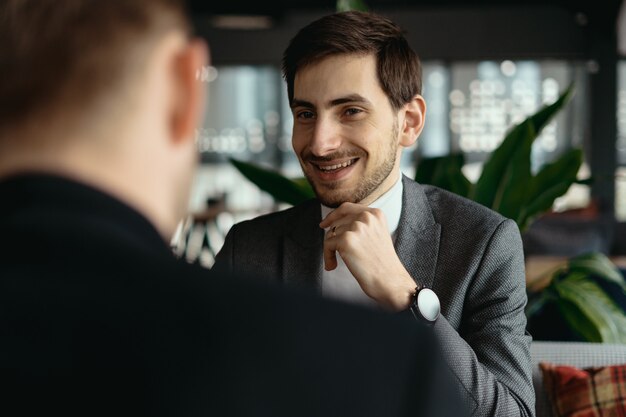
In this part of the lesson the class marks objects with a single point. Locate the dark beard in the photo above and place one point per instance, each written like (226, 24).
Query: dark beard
(365, 187)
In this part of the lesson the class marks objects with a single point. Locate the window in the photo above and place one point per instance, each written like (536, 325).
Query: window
(473, 104)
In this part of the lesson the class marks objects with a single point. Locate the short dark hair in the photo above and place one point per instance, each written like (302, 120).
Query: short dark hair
(71, 51)
(353, 32)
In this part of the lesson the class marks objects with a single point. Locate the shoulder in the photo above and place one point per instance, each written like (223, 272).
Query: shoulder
(448, 208)
(444, 201)
(460, 220)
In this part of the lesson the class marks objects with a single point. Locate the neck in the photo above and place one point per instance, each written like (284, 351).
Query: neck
(127, 180)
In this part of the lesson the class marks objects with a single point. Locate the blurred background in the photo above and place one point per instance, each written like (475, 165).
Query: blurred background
(486, 66)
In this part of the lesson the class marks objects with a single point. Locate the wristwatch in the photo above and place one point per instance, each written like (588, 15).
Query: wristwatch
(425, 305)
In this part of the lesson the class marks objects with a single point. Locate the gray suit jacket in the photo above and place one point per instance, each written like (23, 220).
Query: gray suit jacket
(472, 258)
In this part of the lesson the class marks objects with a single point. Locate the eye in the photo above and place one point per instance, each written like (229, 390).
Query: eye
(305, 114)
(353, 111)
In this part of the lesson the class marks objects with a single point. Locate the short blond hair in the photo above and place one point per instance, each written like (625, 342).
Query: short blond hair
(72, 52)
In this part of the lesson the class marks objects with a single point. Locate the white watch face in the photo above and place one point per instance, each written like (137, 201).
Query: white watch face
(428, 304)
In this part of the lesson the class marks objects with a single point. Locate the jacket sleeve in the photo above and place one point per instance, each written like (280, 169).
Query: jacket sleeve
(490, 353)
(224, 258)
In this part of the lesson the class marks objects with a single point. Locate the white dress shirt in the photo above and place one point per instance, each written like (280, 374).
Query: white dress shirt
(339, 283)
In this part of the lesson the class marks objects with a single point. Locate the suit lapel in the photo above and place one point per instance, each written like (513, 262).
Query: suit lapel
(417, 243)
(302, 247)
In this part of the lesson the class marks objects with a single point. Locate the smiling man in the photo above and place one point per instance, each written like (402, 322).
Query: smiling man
(375, 237)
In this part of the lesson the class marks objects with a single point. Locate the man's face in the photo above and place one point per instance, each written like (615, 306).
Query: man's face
(345, 131)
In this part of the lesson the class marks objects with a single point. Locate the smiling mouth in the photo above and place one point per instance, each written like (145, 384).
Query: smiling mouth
(335, 167)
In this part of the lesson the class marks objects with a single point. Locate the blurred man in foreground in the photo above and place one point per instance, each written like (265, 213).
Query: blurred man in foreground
(98, 105)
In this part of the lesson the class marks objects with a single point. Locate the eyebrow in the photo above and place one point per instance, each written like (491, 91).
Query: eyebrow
(351, 98)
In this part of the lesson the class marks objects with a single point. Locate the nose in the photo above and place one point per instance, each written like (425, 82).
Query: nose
(325, 137)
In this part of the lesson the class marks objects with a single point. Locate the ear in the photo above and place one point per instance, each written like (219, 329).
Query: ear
(414, 113)
(190, 93)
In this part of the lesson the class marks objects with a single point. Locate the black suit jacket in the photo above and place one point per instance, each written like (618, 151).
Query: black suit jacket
(97, 317)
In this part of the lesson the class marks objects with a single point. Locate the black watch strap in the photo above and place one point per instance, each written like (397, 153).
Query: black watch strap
(425, 305)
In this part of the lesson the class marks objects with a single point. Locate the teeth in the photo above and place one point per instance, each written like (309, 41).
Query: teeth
(334, 167)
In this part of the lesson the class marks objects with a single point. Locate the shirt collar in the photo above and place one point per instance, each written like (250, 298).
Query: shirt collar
(390, 203)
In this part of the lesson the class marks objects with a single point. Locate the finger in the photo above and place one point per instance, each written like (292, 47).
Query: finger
(341, 227)
(330, 255)
(343, 210)
(338, 227)
(331, 232)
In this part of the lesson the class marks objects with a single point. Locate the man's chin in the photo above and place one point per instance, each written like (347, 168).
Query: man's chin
(333, 200)
(333, 195)
(330, 204)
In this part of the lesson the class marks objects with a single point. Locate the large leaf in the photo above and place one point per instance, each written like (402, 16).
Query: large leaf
(599, 310)
(537, 300)
(444, 172)
(430, 170)
(545, 115)
(513, 186)
(541, 204)
(459, 184)
(586, 181)
(598, 265)
(551, 182)
(489, 184)
(281, 188)
(578, 321)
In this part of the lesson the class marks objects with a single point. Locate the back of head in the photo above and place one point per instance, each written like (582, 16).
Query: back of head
(102, 92)
(63, 57)
(358, 33)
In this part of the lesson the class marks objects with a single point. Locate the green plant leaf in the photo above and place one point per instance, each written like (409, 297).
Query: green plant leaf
(489, 186)
(430, 170)
(536, 300)
(586, 181)
(347, 5)
(459, 184)
(578, 321)
(513, 186)
(444, 172)
(551, 182)
(547, 113)
(302, 182)
(594, 304)
(281, 188)
(598, 265)
(505, 191)
(541, 204)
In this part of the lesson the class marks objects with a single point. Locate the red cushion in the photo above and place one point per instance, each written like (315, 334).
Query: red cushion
(589, 392)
